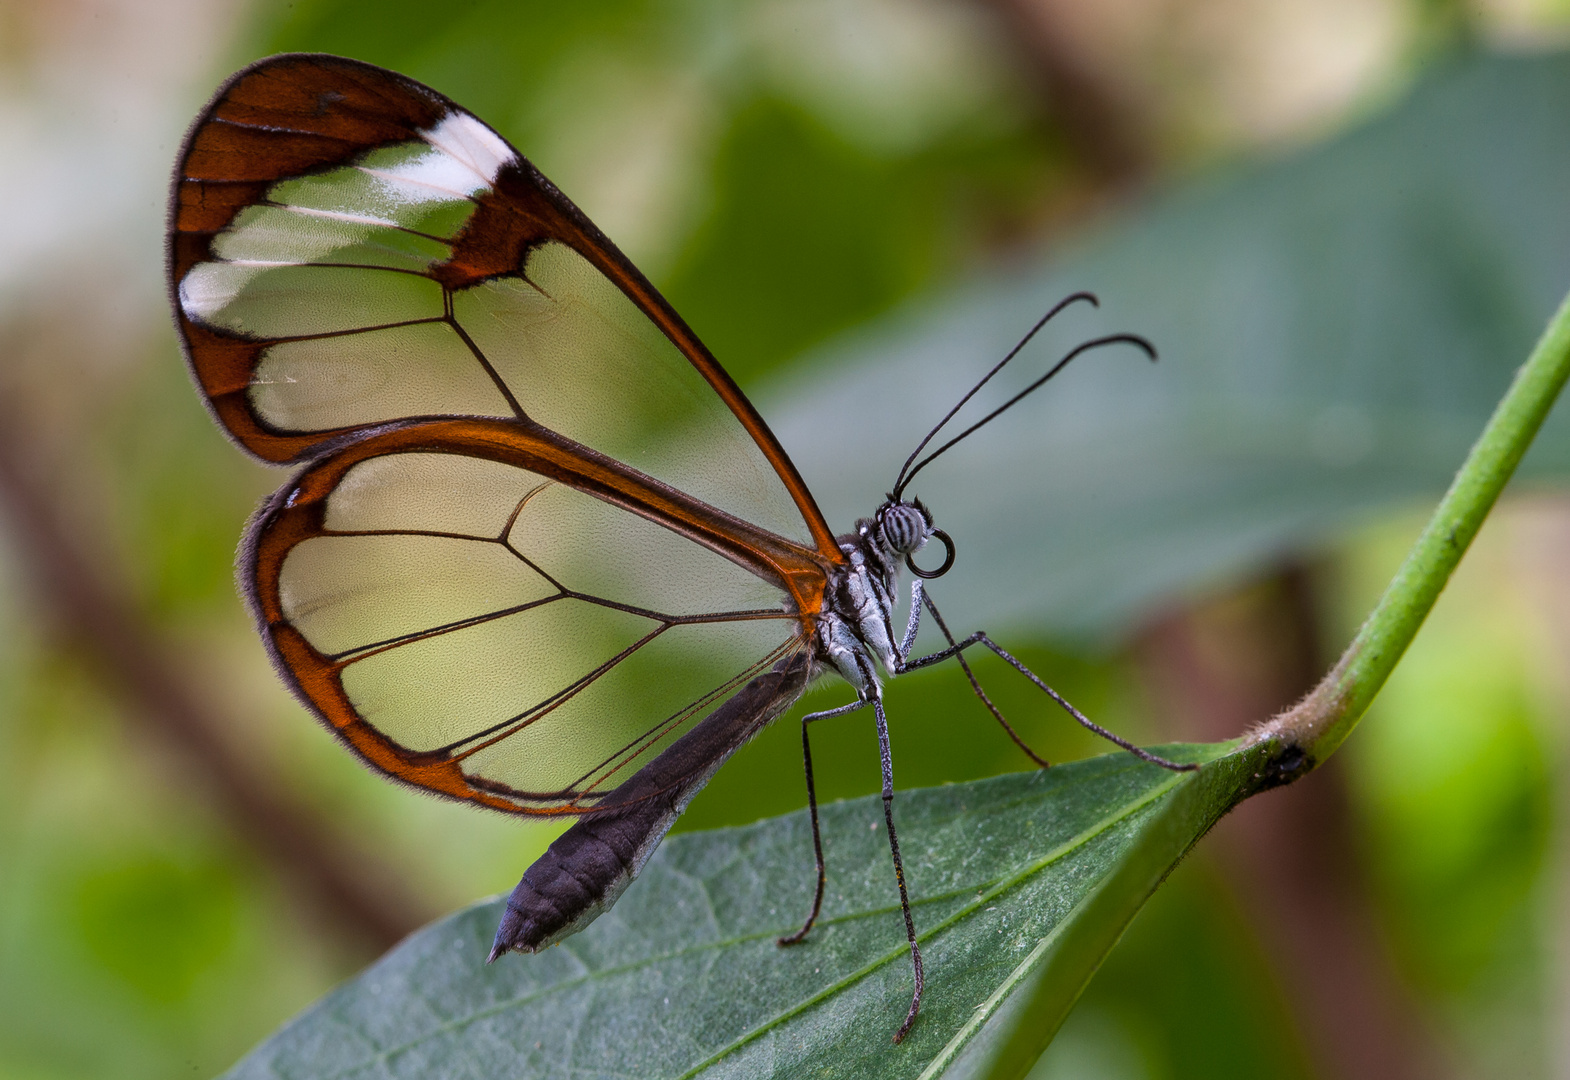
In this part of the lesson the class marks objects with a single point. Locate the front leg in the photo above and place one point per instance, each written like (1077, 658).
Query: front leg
(917, 594)
(957, 649)
(919, 597)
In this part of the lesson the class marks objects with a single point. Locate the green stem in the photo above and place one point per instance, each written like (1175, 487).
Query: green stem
(1319, 724)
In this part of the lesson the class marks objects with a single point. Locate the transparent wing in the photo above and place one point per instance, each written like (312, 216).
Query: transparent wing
(478, 624)
(541, 532)
(349, 248)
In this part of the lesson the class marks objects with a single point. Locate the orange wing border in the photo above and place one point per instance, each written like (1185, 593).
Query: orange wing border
(297, 512)
(299, 113)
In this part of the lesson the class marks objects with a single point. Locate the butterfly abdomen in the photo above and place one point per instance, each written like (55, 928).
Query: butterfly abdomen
(580, 876)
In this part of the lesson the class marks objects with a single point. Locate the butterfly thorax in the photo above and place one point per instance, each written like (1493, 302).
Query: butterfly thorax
(855, 630)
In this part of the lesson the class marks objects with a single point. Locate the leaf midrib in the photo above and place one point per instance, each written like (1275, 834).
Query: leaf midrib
(987, 895)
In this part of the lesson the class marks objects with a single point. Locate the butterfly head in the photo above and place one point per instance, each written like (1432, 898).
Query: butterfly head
(903, 528)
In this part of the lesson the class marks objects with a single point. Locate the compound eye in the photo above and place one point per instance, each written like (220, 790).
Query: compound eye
(904, 529)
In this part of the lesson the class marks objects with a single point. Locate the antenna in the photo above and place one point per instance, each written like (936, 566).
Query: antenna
(908, 472)
(902, 479)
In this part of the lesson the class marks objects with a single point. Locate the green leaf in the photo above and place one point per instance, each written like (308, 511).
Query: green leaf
(1019, 883)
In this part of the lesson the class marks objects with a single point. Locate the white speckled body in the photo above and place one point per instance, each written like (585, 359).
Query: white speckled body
(856, 625)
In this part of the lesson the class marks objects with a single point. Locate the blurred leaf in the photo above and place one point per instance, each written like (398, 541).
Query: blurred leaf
(464, 49)
(1188, 994)
(1020, 884)
(1454, 784)
(157, 924)
(1334, 327)
(810, 236)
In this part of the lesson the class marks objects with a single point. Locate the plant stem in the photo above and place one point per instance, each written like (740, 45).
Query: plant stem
(1318, 724)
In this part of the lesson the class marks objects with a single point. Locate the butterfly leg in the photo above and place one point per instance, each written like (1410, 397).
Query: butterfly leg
(918, 598)
(886, 762)
(812, 809)
(899, 866)
(957, 649)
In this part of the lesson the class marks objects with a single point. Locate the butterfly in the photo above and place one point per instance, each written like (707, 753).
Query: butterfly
(541, 554)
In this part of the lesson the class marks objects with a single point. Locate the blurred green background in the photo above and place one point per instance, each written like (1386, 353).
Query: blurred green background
(1342, 221)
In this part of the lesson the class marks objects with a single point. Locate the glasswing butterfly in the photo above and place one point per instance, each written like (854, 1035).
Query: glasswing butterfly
(543, 555)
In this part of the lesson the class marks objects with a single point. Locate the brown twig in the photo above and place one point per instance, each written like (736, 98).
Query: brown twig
(337, 880)
(1101, 126)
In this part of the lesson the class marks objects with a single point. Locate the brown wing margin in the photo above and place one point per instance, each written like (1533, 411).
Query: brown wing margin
(281, 117)
(298, 113)
(298, 512)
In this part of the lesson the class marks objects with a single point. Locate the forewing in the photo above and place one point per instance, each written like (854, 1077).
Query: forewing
(457, 605)
(349, 248)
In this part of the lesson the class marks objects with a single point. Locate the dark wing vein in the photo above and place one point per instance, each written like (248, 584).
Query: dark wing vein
(479, 354)
(374, 648)
(323, 335)
(641, 744)
(315, 102)
(519, 721)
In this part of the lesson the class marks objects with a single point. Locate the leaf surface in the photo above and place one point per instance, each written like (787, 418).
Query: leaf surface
(1020, 883)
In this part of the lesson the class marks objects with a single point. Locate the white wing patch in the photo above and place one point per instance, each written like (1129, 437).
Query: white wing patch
(463, 139)
(433, 176)
(210, 288)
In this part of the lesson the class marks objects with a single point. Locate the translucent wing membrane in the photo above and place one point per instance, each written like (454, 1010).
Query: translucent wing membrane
(540, 533)
(350, 248)
(492, 631)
